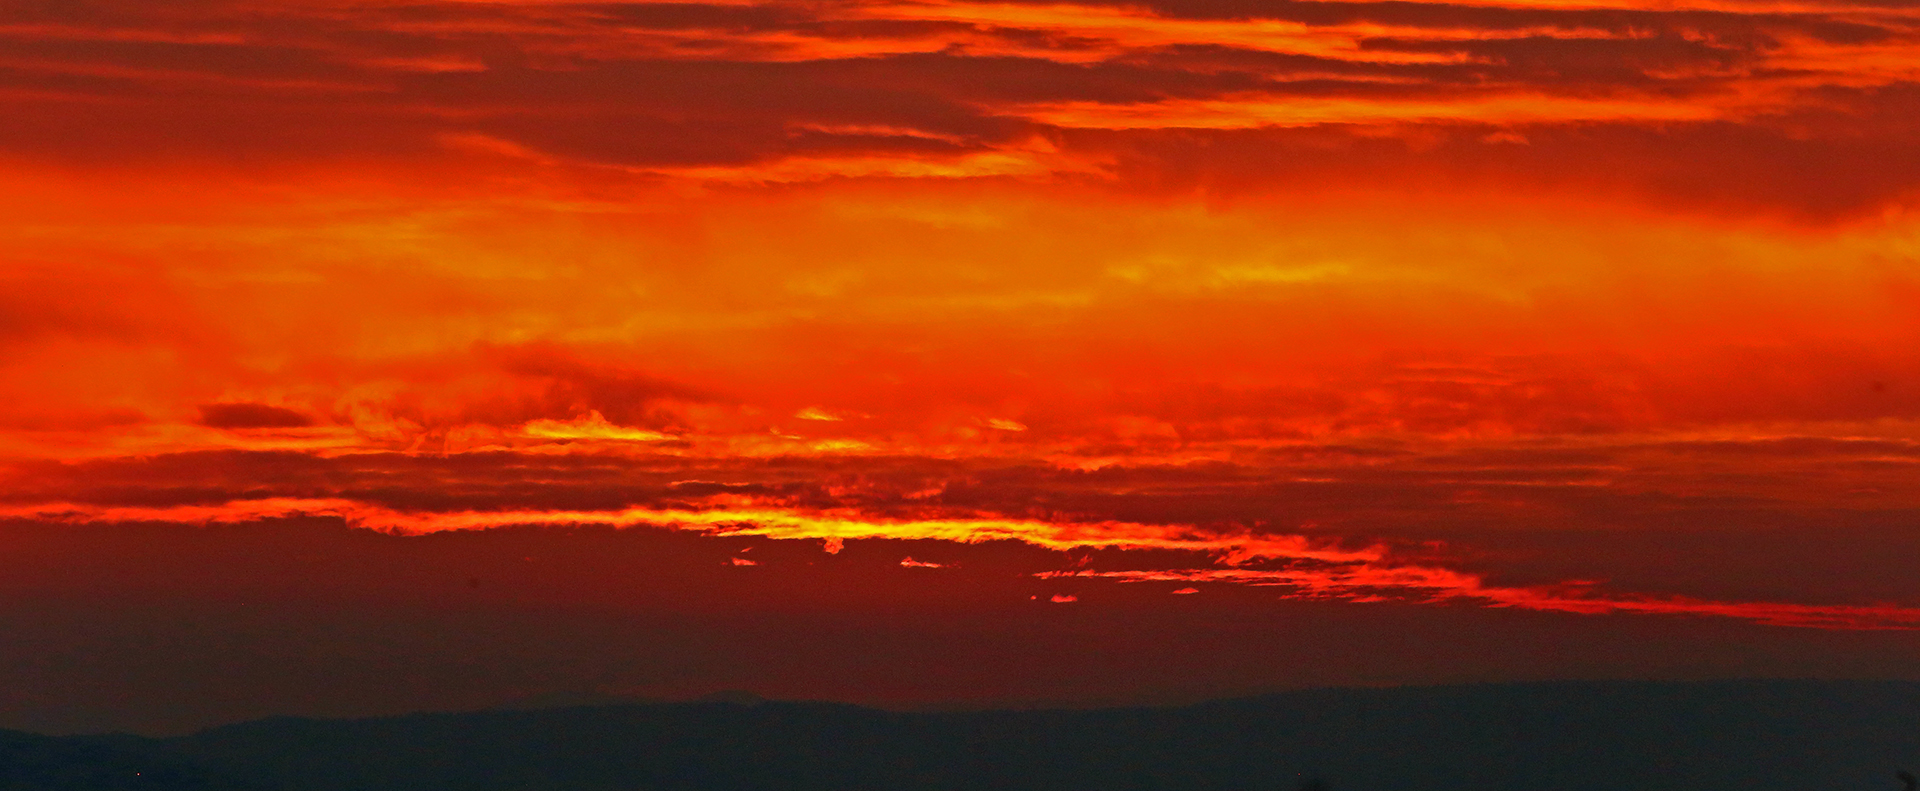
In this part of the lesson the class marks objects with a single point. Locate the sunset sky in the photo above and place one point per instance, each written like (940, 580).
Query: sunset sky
(367, 356)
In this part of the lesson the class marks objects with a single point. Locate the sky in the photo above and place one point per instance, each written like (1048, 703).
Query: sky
(366, 356)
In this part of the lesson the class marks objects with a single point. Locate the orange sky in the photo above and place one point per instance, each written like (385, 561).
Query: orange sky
(1605, 311)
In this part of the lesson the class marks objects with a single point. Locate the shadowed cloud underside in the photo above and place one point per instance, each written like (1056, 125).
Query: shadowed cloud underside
(1598, 311)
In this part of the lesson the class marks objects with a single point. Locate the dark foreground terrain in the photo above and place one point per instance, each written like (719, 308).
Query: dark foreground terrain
(1797, 736)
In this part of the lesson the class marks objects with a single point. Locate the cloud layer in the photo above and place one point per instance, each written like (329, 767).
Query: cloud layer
(1565, 319)
(1792, 108)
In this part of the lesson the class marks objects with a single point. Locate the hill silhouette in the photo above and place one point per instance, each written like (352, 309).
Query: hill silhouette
(1602, 736)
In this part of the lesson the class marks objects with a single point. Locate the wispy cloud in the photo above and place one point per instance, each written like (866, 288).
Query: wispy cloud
(909, 90)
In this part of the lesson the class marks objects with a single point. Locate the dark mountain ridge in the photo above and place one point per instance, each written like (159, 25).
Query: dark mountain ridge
(1588, 736)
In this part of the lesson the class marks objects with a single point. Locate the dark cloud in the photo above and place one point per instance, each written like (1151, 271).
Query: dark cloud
(562, 385)
(221, 80)
(154, 628)
(244, 416)
(1712, 519)
(1770, 170)
(1568, 63)
(1500, 19)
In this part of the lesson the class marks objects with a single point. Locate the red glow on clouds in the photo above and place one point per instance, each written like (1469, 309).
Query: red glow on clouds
(1604, 309)
(1311, 571)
